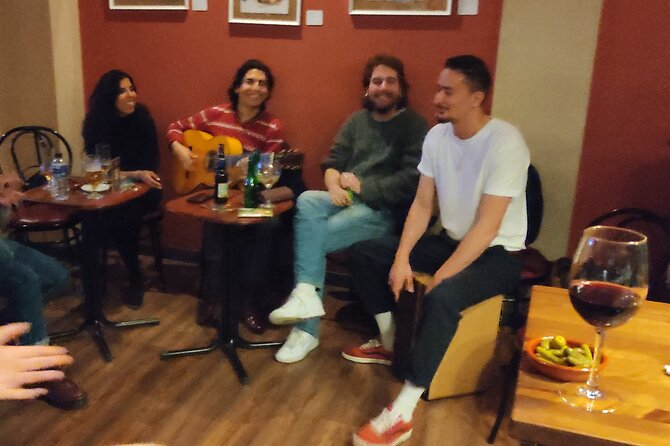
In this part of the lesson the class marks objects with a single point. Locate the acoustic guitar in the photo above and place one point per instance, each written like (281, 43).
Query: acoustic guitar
(205, 147)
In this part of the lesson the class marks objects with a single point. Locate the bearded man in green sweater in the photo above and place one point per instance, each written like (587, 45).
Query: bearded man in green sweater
(371, 177)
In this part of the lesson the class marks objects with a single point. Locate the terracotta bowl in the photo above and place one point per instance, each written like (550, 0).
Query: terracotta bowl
(555, 371)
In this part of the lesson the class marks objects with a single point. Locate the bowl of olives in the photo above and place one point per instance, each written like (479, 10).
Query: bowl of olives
(560, 358)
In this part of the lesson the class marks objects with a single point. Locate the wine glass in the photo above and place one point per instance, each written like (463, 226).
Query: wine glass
(268, 174)
(93, 174)
(609, 279)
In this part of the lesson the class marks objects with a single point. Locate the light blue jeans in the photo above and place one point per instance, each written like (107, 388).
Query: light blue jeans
(26, 278)
(320, 228)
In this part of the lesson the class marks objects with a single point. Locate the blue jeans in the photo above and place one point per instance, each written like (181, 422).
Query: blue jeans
(26, 278)
(320, 228)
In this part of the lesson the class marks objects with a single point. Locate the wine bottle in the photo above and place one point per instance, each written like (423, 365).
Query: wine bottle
(251, 182)
(220, 178)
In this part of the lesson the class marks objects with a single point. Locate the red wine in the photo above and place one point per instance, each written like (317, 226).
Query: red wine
(603, 304)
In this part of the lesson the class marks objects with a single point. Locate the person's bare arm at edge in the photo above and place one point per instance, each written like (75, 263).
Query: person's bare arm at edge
(400, 276)
(339, 196)
(484, 229)
(29, 364)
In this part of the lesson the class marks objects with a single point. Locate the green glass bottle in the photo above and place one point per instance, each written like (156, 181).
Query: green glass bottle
(251, 182)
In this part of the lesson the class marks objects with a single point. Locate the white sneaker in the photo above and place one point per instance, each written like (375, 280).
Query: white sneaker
(296, 347)
(303, 303)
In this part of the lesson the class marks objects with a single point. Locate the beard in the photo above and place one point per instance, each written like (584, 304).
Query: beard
(373, 106)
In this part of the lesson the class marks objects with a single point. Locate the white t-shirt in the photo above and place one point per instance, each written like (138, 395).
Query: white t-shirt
(494, 162)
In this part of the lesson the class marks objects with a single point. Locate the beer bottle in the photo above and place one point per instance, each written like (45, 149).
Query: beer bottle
(220, 178)
(251, 182)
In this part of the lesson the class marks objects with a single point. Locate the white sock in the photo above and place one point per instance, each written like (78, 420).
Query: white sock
(407, 400)
(304, 287)
(386, 329)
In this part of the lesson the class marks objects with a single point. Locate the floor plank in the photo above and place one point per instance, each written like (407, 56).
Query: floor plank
(197, 401)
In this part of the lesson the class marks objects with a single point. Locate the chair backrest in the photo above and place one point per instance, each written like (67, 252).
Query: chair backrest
(534, 204)
(657, 229)
(28, 146)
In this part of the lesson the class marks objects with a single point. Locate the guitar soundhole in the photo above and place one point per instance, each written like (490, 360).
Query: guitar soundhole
(210, 160)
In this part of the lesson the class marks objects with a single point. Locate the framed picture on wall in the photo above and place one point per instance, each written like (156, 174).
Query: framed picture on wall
(265, 12)
(399, 7)
(148, 4)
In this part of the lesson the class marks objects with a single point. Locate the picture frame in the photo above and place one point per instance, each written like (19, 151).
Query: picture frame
(176, 5)
(265, 12)
(400, 7)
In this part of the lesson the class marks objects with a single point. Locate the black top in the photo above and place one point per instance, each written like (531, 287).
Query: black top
(133, 138)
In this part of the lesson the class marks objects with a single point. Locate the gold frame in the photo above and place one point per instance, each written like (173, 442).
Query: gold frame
(235, 15)
(176, 5)
(400, 7)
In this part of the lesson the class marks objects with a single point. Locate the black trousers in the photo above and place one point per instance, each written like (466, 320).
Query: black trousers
(123, 230)
(259, 259)
(494, 272)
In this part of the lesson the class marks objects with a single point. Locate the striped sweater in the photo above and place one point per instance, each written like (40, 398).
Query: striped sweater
(264, 132)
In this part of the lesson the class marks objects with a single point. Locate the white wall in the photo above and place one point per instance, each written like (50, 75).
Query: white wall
(40, 74)
(542, 84)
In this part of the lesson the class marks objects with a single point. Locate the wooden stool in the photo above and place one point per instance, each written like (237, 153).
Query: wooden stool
(467, 362)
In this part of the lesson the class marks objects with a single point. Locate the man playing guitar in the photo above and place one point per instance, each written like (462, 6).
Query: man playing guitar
(246, 119)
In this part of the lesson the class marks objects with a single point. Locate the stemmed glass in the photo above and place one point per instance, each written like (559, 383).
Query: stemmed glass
(269, 171)
(609, 279)
(93, 174)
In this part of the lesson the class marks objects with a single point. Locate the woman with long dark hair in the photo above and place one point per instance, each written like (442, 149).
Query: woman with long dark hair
(117, 119)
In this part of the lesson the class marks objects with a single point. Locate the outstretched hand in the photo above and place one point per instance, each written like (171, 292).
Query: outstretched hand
(21, 365)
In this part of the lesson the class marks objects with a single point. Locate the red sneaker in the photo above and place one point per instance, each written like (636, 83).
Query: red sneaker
(385, 430)
(372, 352)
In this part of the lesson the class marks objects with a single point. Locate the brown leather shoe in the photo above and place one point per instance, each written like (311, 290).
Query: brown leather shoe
(64, 394)
(254, 323)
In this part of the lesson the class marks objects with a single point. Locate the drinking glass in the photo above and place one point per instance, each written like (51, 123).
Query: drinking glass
(104, 152)
(268, 174)
(609, 279)
(93, 174)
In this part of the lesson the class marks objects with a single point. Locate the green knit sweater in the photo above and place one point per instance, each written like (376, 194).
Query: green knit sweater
(383, 155)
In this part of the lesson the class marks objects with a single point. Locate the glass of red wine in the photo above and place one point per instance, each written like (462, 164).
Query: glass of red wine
(609, 279)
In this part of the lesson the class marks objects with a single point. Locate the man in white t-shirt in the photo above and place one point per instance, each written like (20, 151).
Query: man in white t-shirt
(478, 167)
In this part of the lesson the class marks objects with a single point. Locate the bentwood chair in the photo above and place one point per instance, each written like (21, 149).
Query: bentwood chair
(28, 146)
(657, 228)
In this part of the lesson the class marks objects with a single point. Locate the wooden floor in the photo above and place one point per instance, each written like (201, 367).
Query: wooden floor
(198, 401)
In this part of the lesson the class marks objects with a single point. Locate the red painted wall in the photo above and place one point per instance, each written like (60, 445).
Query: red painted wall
(184, 61)
(626, 153)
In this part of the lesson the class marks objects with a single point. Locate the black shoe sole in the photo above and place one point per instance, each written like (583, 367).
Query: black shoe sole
(72, 405)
